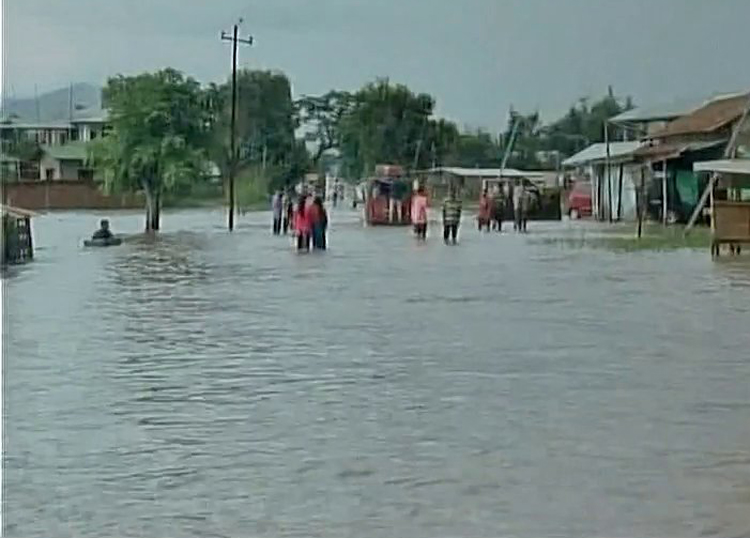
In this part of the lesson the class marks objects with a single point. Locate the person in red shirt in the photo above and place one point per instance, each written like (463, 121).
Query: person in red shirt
(302, 225)
(318, 223)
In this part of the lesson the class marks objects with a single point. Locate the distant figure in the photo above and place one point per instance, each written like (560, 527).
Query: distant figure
(483, 218)
(277, 206)
(521, 203)
(103, 232)
(288, 218)
(335, 195)
(498, 208)
(302, 225)
(526, 202)
(419, 213)
(451, 216)
(319, 223)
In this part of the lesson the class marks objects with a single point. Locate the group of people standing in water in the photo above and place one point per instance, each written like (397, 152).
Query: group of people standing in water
(307, 219)
(494, 206)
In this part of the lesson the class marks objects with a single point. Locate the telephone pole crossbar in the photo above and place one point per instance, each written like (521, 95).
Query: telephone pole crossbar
(235, 39)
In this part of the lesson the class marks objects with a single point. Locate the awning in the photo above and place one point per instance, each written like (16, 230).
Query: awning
(672, 150)
(16, 212)
(597, 153)
(511, 173)
(724, 166)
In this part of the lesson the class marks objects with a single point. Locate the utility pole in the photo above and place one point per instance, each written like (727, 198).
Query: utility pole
(232, 149)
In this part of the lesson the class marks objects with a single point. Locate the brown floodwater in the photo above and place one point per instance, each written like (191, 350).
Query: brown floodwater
(208, 384)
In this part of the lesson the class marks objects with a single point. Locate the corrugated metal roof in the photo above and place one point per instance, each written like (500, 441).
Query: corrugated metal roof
(91, 115)
(669, 111)
(16, 211)
(484, 172)
(670, 150)
(598, 152)
(724, 166)
(659, 112)
(707, 119)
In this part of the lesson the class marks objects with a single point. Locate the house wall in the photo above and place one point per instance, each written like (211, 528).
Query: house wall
(69, 169)
(65, 194)
(46, 163)
(66, 169)
(606, 186)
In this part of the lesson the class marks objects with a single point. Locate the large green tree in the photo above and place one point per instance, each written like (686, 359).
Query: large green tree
(158, 136)
(265, 125)
(583, 124)
(321, 117)
(387, 123)
(476, 149)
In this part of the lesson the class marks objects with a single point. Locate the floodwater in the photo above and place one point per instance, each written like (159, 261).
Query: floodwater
(208, 384)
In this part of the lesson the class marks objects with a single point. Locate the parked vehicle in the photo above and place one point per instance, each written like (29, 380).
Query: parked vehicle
(579, 201)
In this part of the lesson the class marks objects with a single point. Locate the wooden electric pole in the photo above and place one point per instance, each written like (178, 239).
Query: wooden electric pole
(232, 144)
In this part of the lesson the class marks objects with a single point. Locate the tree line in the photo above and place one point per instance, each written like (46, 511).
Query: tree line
(168, 132)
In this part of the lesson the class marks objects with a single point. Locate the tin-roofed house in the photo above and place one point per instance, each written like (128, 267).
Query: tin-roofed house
(613, 173)
(670, 153)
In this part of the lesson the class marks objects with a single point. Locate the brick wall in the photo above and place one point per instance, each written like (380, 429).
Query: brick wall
(65, 194)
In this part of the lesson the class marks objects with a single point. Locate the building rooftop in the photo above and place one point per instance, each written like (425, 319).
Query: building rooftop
(672, 150)
(91, 115)
(484, 172)
(16, 211)
(710, 117)
(724, 166)
(618, 151)
(668, 110)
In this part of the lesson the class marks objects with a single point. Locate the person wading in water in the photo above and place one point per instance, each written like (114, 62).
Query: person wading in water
(419, 214)
(277, 206)
(498, 208)
(302, 225)
(288, 206)
(319, 223)
(451, 216)
(484, 211)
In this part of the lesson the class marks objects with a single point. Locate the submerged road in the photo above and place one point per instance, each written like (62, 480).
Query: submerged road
(208, 384)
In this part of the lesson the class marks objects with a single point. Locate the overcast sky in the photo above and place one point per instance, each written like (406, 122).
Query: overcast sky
(477, 57)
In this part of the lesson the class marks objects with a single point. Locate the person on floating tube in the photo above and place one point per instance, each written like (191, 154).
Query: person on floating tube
(103, 232)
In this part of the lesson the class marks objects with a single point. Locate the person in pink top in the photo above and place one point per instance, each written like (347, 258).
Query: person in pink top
(419, 213)
(302, 225)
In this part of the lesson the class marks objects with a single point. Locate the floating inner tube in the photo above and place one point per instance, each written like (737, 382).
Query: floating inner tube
(111, 242)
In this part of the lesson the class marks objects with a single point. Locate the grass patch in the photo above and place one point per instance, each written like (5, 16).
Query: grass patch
(621, 238)
(251, 193)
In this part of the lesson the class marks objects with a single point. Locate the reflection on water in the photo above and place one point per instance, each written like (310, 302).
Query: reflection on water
(207, 384)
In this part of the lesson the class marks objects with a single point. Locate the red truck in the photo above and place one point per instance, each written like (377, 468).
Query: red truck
(579, 201)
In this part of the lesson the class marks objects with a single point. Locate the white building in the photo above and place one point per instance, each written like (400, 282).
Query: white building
(66, 161)
(613, 187)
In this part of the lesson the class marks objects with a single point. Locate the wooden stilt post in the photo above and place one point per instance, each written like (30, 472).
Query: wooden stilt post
(619, 192)
(639, 204)
(664, 202)
(608, 171)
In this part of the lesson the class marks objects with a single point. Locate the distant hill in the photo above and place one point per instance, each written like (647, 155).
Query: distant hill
(54, 105)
